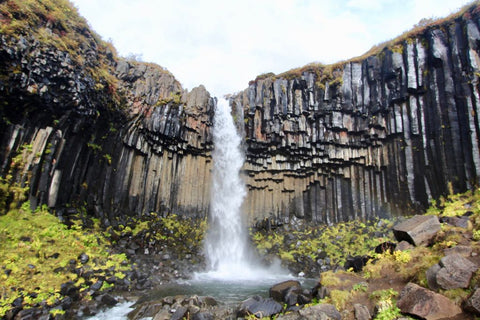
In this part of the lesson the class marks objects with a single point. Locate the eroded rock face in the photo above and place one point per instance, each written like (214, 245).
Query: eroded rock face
(373, 137)
(358, 140)
(140, 144)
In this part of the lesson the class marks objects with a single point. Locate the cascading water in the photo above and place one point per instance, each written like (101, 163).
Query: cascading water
(227, 249)
(226, 241)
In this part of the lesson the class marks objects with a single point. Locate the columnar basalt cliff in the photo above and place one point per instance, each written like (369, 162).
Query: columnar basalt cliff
(120, 138)
(378, 135)
(374, 136)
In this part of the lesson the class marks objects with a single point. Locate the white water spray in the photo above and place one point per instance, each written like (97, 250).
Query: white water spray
(226, 242)
(228, 254)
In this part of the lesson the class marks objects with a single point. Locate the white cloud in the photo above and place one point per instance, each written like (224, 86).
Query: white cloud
(224, 44)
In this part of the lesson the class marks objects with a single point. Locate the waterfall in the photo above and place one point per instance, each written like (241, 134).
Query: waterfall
(229, 256)
(226, 241)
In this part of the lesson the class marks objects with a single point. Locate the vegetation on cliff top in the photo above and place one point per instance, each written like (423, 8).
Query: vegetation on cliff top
(52, 22)
(57, 24)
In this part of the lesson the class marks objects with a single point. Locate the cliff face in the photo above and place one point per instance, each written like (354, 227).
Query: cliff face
(371, 137)
(374, 136)
(117, 137)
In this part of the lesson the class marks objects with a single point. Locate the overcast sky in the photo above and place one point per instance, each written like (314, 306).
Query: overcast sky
(223, 44)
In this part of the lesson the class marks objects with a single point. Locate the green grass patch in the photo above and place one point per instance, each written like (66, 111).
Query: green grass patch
(38, 254)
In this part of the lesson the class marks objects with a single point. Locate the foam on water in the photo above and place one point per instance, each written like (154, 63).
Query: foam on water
(118, 312)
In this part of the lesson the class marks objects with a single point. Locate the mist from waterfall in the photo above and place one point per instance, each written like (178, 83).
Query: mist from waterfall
(227, 251)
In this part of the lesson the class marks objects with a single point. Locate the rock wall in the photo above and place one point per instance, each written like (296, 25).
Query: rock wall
(378, 135)
(123, 148)
(371, 137)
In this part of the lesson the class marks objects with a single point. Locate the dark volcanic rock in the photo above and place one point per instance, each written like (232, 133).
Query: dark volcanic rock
(180, 313)
(279, 290)
(259, 307)
(418, 230)
(386, 246)
(473, 303)
(356, 263)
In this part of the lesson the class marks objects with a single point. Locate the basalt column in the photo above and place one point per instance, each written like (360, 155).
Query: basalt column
(377, 136)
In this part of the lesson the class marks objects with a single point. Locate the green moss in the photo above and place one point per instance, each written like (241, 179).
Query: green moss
(34, 244)
(337, 242)
(329, 279)
(340, 298)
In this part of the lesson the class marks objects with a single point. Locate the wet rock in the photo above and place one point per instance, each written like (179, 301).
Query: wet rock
(208, 301)
(83, 258)
(259, 307)
(17, 302)
(426, 304)
(108, 300)
(418, 230)
(180, 313)
(279, 290)
(69, 289)
(96, 286)
(32, 314)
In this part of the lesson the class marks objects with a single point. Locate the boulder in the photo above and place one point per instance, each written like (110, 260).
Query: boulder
(385, 246)
(461, 222)
(356, 263)
(163, 315)
(321, 311)
(473, 303)
(202, 316)
(361, 312)
(455, 272)
(108, 300)
(465, 251)
(404, 245)
(431, 276)
(180, 313)
(146, 309)
(259, 307)
(418, 230)
(426, 304)
(317, 312)
(279, 290)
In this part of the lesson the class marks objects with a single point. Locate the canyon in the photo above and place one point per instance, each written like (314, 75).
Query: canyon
(380, 135)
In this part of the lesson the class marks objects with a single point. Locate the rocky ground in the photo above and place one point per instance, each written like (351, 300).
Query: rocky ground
(373, 270)
(425, 267)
